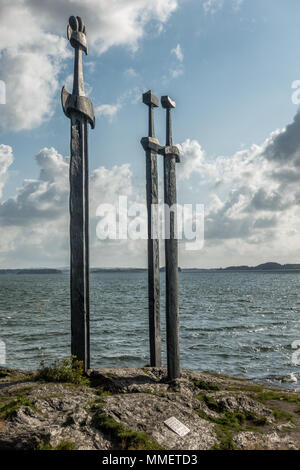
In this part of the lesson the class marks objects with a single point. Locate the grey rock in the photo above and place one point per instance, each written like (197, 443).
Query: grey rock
(141, 400)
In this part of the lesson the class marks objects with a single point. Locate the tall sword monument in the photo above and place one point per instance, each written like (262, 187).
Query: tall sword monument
(171, 157)
(151, 146)
(79, 109)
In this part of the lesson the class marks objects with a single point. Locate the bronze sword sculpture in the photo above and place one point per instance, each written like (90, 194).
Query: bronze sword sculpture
(151, 147)
(79, 109)
(171, 157)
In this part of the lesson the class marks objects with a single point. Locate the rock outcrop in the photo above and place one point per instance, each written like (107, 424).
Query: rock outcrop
(127, 408)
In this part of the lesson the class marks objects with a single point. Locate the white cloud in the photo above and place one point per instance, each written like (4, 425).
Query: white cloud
(237, 4)
(254, 197)
(252, 207)
(34, 225)
(30, 61)
(177, 51)
(117, 23)
(211, 6)
(130, 73)
(33, 47)
(108, 111)
(192, 159)
(176, 72)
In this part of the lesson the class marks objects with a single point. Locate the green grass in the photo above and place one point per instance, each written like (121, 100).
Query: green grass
(232, 419)
(211, 403)
(229, 422)
(263, 397)
(101, 392)
(281, 415)
(8, 407)
(250, 388)
(125, 438)
(63, 445)
(224, 437)
(14, 376)
(3, 373)
(207, 385)
(64, 371)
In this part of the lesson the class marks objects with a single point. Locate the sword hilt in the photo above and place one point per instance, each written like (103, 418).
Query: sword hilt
(151, 101)
(150, 142)
(169, 150)
(77, 101)
(168, 104)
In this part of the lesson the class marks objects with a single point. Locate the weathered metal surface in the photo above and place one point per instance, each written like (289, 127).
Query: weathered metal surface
(79, 240)
(81, 104)
(151, 146)
(79, 109)
(171, 156)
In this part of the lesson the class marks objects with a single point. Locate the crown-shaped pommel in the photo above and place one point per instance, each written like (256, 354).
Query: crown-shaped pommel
(167, 103)
(76, 33)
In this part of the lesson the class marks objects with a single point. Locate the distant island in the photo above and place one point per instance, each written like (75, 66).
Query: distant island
(31, 271)
(265, 267)
(118, 270)
(269, 267)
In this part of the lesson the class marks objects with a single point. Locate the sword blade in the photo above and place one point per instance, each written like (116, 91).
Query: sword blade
(79, 238)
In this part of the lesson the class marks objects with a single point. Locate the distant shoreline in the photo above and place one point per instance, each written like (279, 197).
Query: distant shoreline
(31, 271)
(262, 268)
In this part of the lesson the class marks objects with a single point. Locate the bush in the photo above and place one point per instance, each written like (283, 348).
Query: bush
(65, 370)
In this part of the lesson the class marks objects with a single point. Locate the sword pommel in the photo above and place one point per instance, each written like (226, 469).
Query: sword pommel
(76, 33)
(150, 99)
(167, 103)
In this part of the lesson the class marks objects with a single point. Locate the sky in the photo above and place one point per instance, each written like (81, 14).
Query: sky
(229, 65)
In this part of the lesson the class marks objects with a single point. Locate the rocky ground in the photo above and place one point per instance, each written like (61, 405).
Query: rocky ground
(126, 409)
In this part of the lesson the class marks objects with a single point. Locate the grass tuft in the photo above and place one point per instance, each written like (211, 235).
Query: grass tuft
(207, 385)
(125, 438)
(281, 415)
(65, 371)
(9, 407)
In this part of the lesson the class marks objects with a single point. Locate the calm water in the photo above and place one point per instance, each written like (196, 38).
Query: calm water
(239, 324)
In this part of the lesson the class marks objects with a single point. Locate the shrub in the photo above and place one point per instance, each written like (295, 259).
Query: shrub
(65, 370)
